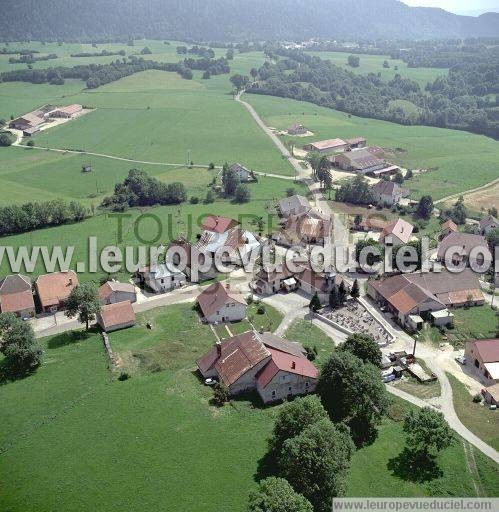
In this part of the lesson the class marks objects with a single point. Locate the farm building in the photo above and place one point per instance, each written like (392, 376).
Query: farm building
(182, 254)
(218, 224)
(114, 291)
(277, 369)
(221, 303)
(361, 161)
(491, 394)
(66, 112)
(294, 205)
(356, 143)
(16, 296)
(113, 317)
(54, 289)
(161, 278)
(448, 227)
(27, 121)
(372, 223)
(297, 129)
(397, 232)
(483, 357)
(304, 229)
(464, 248)
(411, 295)
(327, 147)
(488, 224)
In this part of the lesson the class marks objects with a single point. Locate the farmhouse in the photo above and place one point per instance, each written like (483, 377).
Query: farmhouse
(488, 224)
(448, 227)
(297, 129)
(464, 248)
(410, 295)
(114, 291)
(397, 232)
(270, 280)
(217, 224)
(243, 173)
(304, 229)
(327, 147)
(483, 356)
(388, 193)
(181, 252)
(372, 223)
(113, 317)
(361, 161)
(294, 205)
(277, 369)
(16, 296)
(54, 289)
(161, 278)
(491, 394)
(67, 112)
(221, 303)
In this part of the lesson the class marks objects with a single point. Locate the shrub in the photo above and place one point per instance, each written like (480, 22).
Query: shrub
(123, 376)
(220, 394)
(194, 200)
(477, 398)
(260, 310)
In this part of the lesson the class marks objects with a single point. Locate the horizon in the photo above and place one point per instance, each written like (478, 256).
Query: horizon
(461, 7)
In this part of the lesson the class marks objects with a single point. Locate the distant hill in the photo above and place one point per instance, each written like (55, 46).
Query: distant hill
(216, 20)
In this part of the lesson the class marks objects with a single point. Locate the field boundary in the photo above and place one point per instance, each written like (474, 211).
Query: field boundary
(465, 192)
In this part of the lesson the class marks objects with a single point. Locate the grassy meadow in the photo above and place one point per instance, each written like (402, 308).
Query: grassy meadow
(75, 438)
(456, 161)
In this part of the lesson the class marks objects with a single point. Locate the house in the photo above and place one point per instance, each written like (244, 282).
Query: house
(114, 291)
(483, 357)
(270, 280)
(27, 121)
(218, 224)
(361, 161)
(397, 232)
(356, 143)
(221, 303)
(243, 173)
(327, 147)
(293, 205)
(372, 223)
(181, 253)
(67, 112)
(54, 289)
(276, 368)
(407, 295)
(447, 228)
(388, 193)
(161, 278)
(297, 129)
(464, 248)
(488, 224)
(16, 296)
(491, 394)
(304, 229)
(119, 315)
(322, 283)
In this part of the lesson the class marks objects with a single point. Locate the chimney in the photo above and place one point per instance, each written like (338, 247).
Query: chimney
(219, 348)
(293, 365)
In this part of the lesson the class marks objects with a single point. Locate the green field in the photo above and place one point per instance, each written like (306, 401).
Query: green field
(74, 438)
(374, 64)
(456, 161)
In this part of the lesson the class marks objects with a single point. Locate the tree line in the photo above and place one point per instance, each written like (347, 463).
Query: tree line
(140, 189)
(301, 76)
(26, 217)
(103, 53)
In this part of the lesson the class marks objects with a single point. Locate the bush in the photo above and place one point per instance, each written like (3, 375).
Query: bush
(243, 194)
(123, 376)
(30, 143)
(220, 394)
(477, 398)
(260, 310)
(194, 200)
(6, 139)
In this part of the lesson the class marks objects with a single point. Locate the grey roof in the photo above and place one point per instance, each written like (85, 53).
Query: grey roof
(361, 158)
(294, 202)
(289, 347)
(15, 284)
(388, 188)
(490, 220)
(465, 240)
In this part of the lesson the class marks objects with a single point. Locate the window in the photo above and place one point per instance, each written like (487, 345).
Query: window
(290, 389)
(306, 384)
(273, 394)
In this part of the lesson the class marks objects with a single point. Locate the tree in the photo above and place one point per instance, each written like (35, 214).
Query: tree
(230, 54)
(239, 81)
(276, 495)
(290, 192)
(83, 301)
(386, 64)
(356, 191)
(373, 257)
(334, 298)
(294, 417)
(427, 431)
(425, 207)
(18, 345)
(242, 194)
(6, 139)
(459, 212)
(364, 347)
(254, 73)
(398, 178)
(230, 181)
(146, 51)
(210, 196)
(357, 220)
(316, 461)
(221, 394)
(355, 291)
(342, 293)
(315, 303)
(352, 392)
(353, 61)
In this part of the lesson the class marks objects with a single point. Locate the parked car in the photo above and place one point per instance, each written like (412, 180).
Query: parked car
(211, 381)
(461, 360)
(389, 378)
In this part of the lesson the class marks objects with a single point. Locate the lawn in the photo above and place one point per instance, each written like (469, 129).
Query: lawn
(473, 323)
(309, 335)
(478, 418)
(453, 167)
(75, 439)
(374, 64)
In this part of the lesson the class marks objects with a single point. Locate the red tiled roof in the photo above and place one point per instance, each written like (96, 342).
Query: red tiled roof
(328, 144)
(15, 294)
(487, 349)
(282, 361)
(117, 314)
(449, 224)
(70, 109)
(218, 224)
(56, 287)
(211, 299)
(399, 228)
